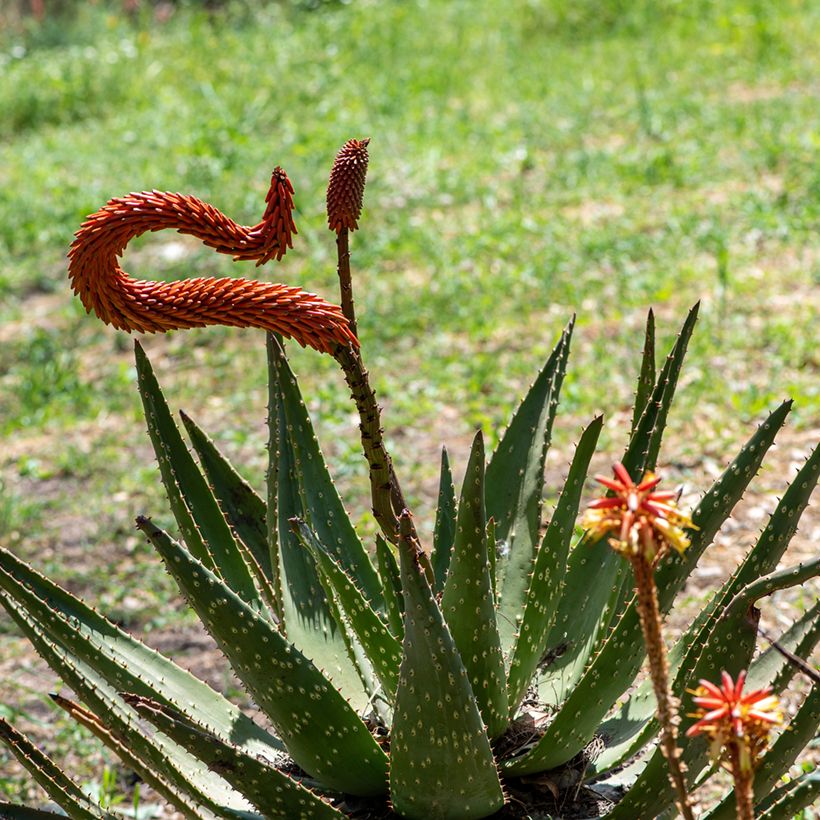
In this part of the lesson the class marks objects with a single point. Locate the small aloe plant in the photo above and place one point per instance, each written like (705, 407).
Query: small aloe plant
(499, 668)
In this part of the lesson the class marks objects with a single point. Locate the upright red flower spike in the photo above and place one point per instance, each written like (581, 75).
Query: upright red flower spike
(151, 307)
(345, 191)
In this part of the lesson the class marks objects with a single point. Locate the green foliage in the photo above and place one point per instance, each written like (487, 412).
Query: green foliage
(395, 682)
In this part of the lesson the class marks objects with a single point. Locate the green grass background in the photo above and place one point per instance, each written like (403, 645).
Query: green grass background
(529, 159)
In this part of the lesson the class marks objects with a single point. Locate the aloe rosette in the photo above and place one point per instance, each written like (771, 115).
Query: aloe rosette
(445, 684)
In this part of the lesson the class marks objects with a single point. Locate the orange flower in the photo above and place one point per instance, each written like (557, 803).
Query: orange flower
(642, 519)
(149, 307)
(729, 717)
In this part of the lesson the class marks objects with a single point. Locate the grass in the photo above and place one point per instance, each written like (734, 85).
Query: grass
(529, 160)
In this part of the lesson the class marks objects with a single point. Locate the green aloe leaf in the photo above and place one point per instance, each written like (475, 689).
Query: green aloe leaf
(780, 528)
(49, 775)
(548, 572)
(391, 584)
(782, 754)
(791, 798)
(243, 508)
(200, 520)
(492, 555)
(299, 486)
(614, 667)
(9, 811)
(645, 443)
(170, 770)
(646, 378)
(123, 661)
(441, 763)
(634, 723)
(273, 792)
(515, 484)
(124, 751)
(730, 649)
(596, 587)
(303, 705)
(641, 454)
(308, 618)
(324, 511)
(468, 603)
(445, 529)
(381, 648)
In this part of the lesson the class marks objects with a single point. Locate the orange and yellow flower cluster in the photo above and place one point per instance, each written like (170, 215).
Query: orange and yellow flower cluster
(642, 520)
(728, 717)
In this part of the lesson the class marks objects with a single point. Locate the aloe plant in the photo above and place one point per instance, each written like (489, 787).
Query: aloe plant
(378, 684)
(501, 667)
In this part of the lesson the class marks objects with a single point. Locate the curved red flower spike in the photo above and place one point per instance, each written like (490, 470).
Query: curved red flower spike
(150, 307)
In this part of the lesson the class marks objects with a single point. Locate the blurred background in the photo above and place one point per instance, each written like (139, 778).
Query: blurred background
(530, 159)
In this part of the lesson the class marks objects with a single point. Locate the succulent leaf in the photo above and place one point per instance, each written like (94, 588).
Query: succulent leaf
(391, 585)
(308, 619)
(441, 763)
(623, 649)
(616, 664)
(791, 798)
(645, 443)
(468, 603)
(323, 507)
(641, 454)
(730, 649)
(49, 775)
(201, 522)
(444, 532)
(239, 502)
(382, 649)
(631, 727)
(634, 725)
(596, 588)
(300, 701)
(299, 486)
(548, 572)
(172, 772)
(123, 661)
(274, 793)
(515, 484)
(646, 378)
(123, 750)
(9, 811)
(781, 526)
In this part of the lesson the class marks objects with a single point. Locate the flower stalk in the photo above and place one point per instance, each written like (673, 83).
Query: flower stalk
(667, 703)
(643, 523)
(345, 196)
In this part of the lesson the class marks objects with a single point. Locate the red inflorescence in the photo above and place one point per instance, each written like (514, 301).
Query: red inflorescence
(641, 519)
(728, 715)
(345, 191)
(149, 307)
